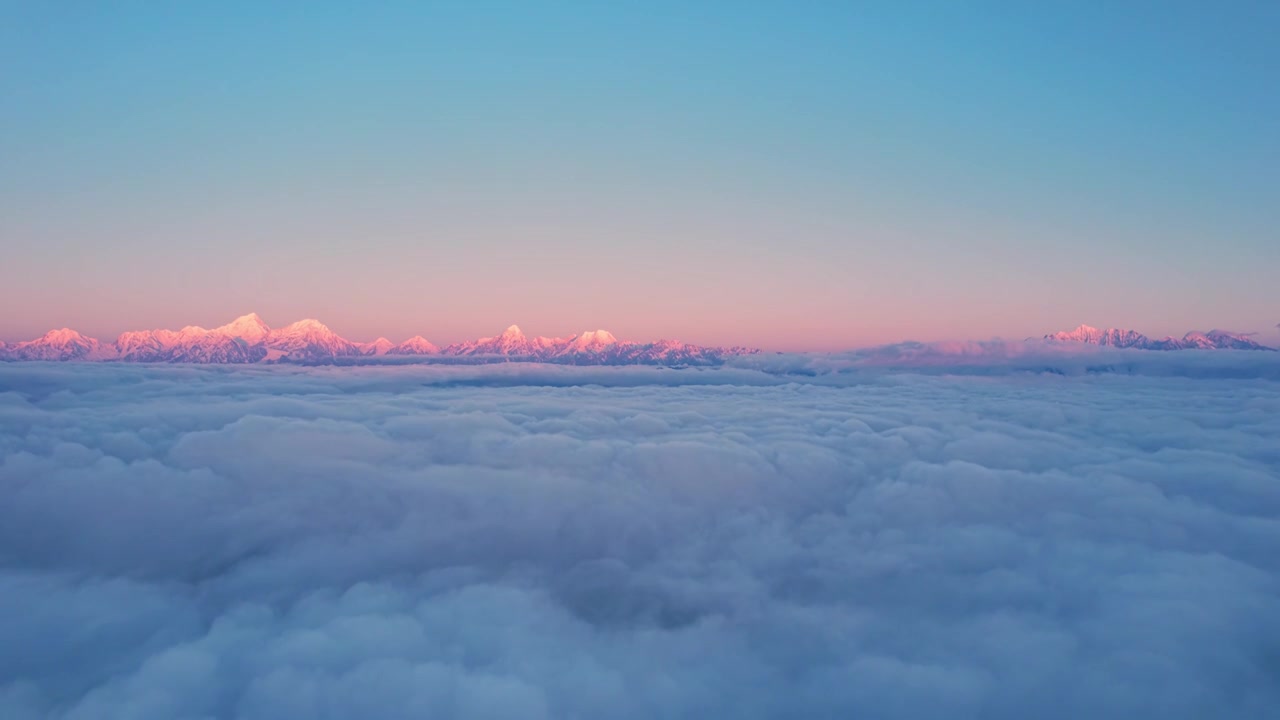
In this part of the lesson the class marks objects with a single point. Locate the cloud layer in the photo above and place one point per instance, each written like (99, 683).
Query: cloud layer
(803, 539)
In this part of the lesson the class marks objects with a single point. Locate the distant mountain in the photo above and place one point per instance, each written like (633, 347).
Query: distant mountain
(248, 328)
(64, 344)
(416, 345)
(1113, 337)
(248, 339)
(381, 346)
(308, 341)
(511, 343)
(190, 344)
(593, 347)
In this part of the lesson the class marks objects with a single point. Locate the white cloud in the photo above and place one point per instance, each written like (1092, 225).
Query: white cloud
(793, 537)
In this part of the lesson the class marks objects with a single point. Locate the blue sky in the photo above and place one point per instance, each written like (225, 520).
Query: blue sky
(792, 175)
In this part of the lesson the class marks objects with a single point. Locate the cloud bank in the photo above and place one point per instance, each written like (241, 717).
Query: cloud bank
(797, 537)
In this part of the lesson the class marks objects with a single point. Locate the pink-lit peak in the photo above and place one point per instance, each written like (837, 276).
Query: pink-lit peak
(62, 335)
(309, 325)
(594, 338)
(249, 327)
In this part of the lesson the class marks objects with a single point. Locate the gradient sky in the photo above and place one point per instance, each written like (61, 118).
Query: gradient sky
(789, 175)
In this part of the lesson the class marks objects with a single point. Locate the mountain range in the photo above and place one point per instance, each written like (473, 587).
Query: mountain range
(248, 339)
(1114, 337)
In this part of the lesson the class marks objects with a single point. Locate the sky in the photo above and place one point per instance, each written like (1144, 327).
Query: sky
(795, 176)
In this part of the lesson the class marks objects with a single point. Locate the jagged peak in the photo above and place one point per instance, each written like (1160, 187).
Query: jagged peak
(416, 345)
(590, 338)
(377, 347)
(249, 328)
(417, 341)
(1121, 338)
(248, 320)
(62, 335)
(512, 331)
(307, 325)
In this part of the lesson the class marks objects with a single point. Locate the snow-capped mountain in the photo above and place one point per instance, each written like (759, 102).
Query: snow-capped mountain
(511, 343)
(416, 345)
(1113, 337)
(381, 346)
(191, 344)
(248, 328)
(248, 339)
(64, 344)
(144, 345)
(593, 347)
(308, 341)
(592, 341)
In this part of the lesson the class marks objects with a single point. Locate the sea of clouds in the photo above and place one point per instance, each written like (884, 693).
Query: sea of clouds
(787, 537)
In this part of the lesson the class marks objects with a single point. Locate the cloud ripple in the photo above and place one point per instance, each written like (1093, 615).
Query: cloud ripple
(534, 542)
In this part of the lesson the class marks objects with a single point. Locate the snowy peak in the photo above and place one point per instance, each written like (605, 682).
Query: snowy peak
(1083, 333)
(308, 326)
(1114, 337)
(1111, 337)
(1224, 339)
(248, 328)
(593, 340)
(248, 339)
(593, 347)
(61, 337)
(191, 344)
(308, 341)
(378, 347)
(137, 344)
(62, 344)
(511, 343)
(416, 345)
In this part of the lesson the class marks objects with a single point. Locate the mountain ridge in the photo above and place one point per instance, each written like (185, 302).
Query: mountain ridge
(248, 339)
(1132, 339)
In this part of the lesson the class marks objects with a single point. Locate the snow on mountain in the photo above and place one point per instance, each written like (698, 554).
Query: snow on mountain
(308, 341)
(1112, 337)
(1198, 341)
(191, 344)
(144, 345)
(511, 343)
(592, 341)
(248, 328)
(1224, 340)
(381, 346)
(248, 339)
(593, 347)
(674, 352)
(213, 347)
(416, 345)
(64, 344)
